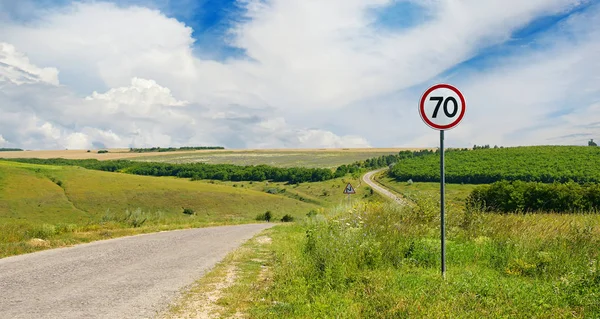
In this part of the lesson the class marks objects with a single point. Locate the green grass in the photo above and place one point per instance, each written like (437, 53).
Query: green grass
(379, 261)
(382, 261)
(307, 159)
(456, 194)
(66, 205)
(324, 194)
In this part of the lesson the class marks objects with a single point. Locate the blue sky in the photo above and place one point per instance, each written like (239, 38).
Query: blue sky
(292, 73)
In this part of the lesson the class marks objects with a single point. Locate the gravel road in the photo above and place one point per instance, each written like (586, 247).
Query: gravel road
(129, 277)
(368, 179)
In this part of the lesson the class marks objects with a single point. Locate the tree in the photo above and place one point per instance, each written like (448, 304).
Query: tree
(592, 143)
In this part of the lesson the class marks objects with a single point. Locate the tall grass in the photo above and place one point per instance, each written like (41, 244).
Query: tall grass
(382, 261)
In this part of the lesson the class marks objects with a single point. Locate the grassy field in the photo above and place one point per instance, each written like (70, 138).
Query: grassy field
(456, 194)
(299, 158)
(276, 157)
(382, 261)
(65, 205)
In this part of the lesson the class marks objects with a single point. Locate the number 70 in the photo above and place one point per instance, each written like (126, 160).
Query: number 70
(439, 100)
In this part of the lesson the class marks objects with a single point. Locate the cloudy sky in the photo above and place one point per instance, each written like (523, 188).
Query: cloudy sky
(295, 73)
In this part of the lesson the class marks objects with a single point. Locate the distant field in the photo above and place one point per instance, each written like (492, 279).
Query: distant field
(276, 157)
(283, 158)
(71, 204)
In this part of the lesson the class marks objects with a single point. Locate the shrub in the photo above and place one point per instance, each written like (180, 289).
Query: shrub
(312, 213)
(188, 211)
(102, 151)
(266, 216)
(272, 191)
(287, 218)
(511, 197)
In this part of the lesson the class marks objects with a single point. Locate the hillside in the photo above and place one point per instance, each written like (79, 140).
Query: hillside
(66, 205)
(531, 163)
(42, 193)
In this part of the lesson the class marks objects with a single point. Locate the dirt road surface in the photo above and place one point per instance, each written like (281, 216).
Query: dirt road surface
(368, 179)
(130, 277)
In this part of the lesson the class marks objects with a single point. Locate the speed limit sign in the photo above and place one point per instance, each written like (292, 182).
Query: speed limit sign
(442, 107)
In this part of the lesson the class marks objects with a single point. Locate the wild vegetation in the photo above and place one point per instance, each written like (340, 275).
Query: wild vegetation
(546, 164)
(517, 197)
(174, 149)
(382, 261)
(5, 149)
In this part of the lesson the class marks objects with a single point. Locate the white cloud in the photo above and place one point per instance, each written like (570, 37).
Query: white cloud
(16, 68)
(319, 74)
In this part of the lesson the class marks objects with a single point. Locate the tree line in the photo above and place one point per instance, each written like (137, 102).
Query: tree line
(174, 149)
(522, 197)
(196, 171)
(6, 149)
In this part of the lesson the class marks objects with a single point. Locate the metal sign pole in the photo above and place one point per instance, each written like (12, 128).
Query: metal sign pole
(442, 201)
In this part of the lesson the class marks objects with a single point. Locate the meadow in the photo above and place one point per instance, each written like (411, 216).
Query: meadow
(309, 158)
(44, 206)
(381, 260)
(278, 158)
(374, 259)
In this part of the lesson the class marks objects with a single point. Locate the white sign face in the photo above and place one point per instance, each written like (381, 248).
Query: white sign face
(442, 107)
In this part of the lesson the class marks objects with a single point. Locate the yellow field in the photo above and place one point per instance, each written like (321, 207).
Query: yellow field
(125, 154)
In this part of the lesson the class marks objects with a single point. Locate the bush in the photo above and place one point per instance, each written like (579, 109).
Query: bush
(266, 216)
(312, 213)
(287, 218)
(102, 151)
(511, 197)
(188, 211)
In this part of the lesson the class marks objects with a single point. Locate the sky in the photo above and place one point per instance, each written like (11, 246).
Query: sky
(295, 73)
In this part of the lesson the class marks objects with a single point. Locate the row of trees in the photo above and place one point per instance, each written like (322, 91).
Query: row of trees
(6, 149)
(174, 149)
(520, 197)
(229, 172)
(196, 171)
(546, 164)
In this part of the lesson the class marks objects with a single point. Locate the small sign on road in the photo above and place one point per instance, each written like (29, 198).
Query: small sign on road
(349, 189)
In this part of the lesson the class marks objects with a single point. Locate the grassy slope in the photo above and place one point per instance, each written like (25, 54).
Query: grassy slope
(325, 194)
(30, 196)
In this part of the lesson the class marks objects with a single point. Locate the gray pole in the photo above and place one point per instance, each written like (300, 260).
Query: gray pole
(442, 202)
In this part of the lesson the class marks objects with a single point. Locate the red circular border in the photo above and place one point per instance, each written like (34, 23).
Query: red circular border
(422, 107)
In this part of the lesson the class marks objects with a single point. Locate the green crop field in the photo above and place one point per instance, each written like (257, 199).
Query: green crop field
(309, 159)
(64, 205)
(532, 163)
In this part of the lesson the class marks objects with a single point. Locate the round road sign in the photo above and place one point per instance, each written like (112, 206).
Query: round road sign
(442, 107)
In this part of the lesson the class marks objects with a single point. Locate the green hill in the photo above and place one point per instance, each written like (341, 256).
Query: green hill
(43, 201)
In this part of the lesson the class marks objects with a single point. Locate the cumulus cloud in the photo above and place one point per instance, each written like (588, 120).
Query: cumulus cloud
(314, 74)
(16, 68)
